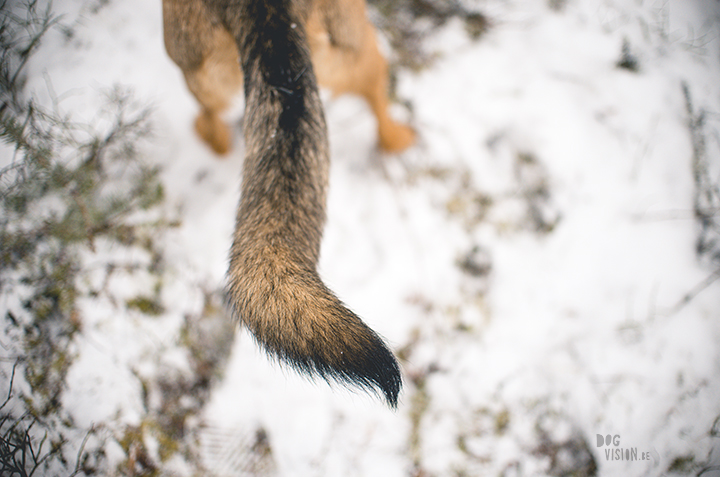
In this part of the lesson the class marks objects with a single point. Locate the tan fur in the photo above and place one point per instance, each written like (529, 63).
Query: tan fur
(276, 46)
(344, 53)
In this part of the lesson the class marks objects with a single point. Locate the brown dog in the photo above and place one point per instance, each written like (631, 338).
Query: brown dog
(268, 45)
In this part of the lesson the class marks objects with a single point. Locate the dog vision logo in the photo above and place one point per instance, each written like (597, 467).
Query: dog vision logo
(613, 450)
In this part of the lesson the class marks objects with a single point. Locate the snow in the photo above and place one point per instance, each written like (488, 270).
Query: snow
(578, 324)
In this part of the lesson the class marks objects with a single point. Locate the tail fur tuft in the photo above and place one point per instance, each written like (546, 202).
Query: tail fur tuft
(303, 324)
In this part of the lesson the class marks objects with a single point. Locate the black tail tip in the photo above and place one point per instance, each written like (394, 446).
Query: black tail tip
(391, 382)
(385, 383)
(372, 367)
(376, 370)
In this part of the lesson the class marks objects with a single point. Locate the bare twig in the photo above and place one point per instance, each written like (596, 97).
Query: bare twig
(706, 200)
(695, 291)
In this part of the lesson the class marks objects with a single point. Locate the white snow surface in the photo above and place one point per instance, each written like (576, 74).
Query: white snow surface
(577, 325)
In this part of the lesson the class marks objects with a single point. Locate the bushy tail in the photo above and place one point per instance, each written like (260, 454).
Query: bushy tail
(274, 287)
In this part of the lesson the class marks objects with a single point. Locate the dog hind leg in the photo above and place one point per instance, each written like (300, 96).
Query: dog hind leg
(208, 57)
(346, 59)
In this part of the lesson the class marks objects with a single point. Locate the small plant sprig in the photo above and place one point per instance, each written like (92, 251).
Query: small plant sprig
(21, 30)
(706, 200)
(20, 454)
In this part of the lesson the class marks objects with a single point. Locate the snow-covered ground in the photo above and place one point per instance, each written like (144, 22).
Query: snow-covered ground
(528, 259)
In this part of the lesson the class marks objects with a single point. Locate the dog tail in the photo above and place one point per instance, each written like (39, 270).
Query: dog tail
(273, 284)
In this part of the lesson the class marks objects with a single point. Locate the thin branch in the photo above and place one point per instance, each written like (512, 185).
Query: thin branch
(695, 291)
